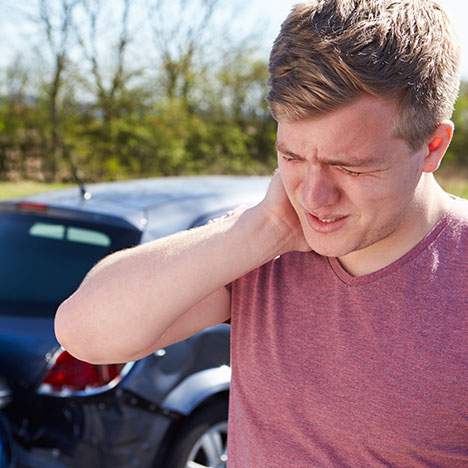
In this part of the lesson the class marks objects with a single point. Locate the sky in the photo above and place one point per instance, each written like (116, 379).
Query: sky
(277, 10)
(270, 14)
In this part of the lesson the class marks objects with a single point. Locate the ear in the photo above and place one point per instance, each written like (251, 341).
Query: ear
(436, 146)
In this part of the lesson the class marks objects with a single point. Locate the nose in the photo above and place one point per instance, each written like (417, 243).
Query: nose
(319, 189)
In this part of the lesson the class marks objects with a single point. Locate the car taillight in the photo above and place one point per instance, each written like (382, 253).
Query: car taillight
(32, 206)
(69, 375)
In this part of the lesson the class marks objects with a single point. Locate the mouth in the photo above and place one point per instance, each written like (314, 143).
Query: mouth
(327, 223)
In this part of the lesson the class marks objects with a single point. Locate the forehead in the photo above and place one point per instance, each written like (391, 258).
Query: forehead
(365, 124)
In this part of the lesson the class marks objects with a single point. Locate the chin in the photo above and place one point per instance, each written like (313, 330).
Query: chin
(336, 244)
(339, 243)
(329, 249)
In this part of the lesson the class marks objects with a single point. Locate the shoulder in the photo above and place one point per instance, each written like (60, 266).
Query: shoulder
(458, 216)
(452, 243)
(284, 269)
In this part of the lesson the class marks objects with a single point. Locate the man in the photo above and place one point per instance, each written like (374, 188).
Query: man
(347, 284)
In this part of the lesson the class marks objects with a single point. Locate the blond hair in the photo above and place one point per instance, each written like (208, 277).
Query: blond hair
(330, 52)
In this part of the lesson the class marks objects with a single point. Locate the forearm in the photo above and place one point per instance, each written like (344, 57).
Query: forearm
(136, 294)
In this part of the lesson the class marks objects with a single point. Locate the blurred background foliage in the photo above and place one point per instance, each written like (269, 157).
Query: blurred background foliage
(108, 94)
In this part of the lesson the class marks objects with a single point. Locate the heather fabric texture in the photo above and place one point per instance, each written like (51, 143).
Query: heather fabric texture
(330, 370)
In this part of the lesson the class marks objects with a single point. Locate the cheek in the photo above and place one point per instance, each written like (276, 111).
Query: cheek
(381, 198)
(370, 197)
(289, 176)
(291, 184)
(396, 187)
(398, 184)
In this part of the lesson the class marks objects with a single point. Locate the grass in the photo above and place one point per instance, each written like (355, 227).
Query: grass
(453, 181)
(24, 188)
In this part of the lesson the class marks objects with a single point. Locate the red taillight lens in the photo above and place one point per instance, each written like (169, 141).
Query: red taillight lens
(71, 374)
(31, 206)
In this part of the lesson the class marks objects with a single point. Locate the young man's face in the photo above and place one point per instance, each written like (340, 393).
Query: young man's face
(350, 180)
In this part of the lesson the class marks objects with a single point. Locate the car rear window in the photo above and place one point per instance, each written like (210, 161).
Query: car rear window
(43, 260)
(69, 234)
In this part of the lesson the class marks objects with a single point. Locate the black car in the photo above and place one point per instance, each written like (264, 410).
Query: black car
(166, 410)
(6, 454)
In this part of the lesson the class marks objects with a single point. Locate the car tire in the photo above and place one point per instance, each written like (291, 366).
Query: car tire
(202, 440)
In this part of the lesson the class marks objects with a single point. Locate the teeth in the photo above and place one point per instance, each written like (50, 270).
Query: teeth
(327, 220)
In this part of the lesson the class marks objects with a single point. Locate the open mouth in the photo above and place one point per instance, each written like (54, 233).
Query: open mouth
(326, 224)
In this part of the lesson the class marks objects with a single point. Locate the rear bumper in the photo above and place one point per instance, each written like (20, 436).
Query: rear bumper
(131, 453)
(111, 434)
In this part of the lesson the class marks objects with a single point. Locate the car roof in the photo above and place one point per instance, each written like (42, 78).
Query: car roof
(143, 201)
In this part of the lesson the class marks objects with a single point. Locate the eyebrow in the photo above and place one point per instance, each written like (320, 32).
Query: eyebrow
(348, 161)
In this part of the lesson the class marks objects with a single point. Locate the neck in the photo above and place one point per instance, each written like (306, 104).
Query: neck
(429, 205)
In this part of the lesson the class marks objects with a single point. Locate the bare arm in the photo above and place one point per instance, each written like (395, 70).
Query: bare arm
(136, 300)
(212, 310)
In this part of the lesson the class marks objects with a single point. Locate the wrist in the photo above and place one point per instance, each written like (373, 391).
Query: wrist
(267, 237)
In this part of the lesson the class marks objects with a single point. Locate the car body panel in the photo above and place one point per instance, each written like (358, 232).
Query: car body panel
(132, 200)
(161, 373)
(134, 423)
(74, 214)
(26, 345)
(197, 388)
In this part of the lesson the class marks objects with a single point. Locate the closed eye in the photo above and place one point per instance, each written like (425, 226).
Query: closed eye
(351, 173)
(289, 158)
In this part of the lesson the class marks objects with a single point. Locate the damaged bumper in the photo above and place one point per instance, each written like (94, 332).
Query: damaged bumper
(120, 431)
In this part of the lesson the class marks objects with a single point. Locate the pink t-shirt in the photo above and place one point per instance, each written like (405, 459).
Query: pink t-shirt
(330, 370)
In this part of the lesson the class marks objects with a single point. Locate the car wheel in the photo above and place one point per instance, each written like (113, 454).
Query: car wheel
(202, 441)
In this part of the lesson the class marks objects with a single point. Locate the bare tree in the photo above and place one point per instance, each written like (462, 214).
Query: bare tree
(178, 33)
(107, 91)
(104, 42)
(190, 36)
(56, 24)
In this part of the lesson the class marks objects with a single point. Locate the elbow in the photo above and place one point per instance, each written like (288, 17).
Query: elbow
(71, 333)
(81, 331)
(62, 323)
